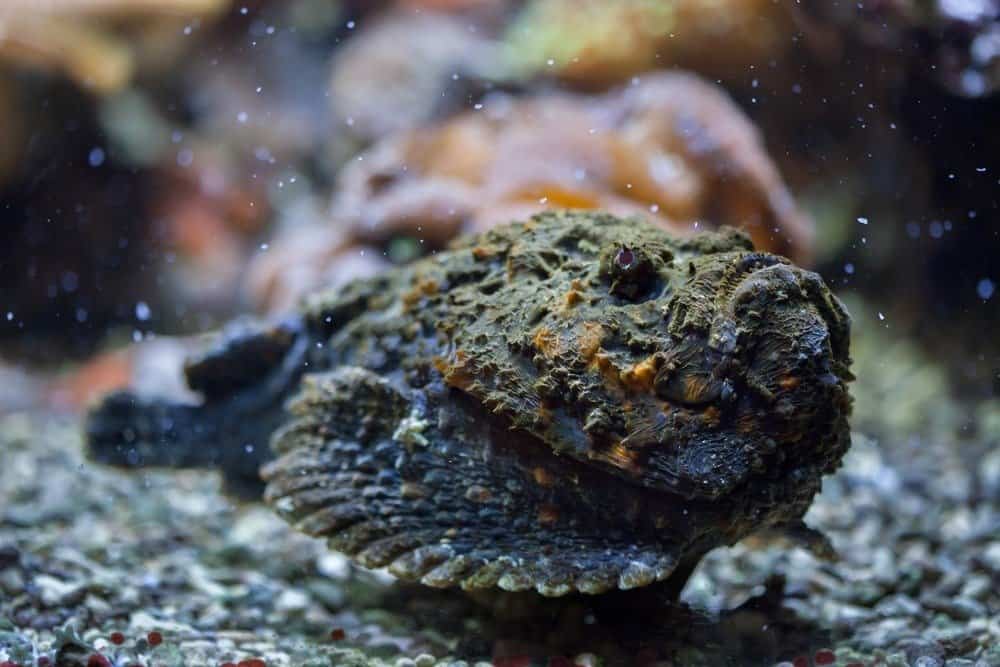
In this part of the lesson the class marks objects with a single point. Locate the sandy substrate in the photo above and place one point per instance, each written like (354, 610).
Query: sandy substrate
(181, 575)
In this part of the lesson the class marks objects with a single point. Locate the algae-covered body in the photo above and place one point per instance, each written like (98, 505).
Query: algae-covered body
(575, 403)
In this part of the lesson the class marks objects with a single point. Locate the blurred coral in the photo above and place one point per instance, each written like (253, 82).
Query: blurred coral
(454, 5)
(593, 42)
(404, 68)
(208, 213)
(84, 39)
(671, 148)
(956, 43)
(152, 367)
(12, 134)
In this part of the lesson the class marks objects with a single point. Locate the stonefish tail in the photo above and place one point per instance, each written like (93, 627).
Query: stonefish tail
(243, 381)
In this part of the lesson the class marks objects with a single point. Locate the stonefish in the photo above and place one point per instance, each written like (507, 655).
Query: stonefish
(577, 403)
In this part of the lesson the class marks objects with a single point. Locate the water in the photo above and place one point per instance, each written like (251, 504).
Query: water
(164, 170)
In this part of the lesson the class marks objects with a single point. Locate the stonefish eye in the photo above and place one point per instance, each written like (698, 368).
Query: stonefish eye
(624, 259)
(631, 272)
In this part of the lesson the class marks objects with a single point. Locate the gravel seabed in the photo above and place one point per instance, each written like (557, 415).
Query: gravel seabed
(179, 574)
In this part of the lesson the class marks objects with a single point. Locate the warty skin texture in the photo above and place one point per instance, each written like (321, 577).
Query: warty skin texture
(578, 403)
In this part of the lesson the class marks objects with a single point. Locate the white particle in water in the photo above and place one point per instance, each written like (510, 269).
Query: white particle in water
(350, 25)
(142, 311)
(881, 316)
(242, 116)
(985, 288)
(96, 157)
(849, 269)
(863, 221)
(70, 281)
(264, 247)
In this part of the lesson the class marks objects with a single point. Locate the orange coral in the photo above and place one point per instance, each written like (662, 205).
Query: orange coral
(596, 42)
(672, 149)
(74, 36)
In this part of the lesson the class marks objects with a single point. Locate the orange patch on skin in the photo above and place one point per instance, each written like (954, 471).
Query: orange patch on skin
(711, 416)
(602, 364)
(640, 376)
(547, 342)
(548, 514)
(574, 295)
(543, 477)
(789, 382)
(483, 252)
(589, 339)
(620, 457)
(695, 387)
(423, 287)
(455, 374)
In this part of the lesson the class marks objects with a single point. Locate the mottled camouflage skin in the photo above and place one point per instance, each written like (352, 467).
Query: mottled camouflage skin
(576, 403)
